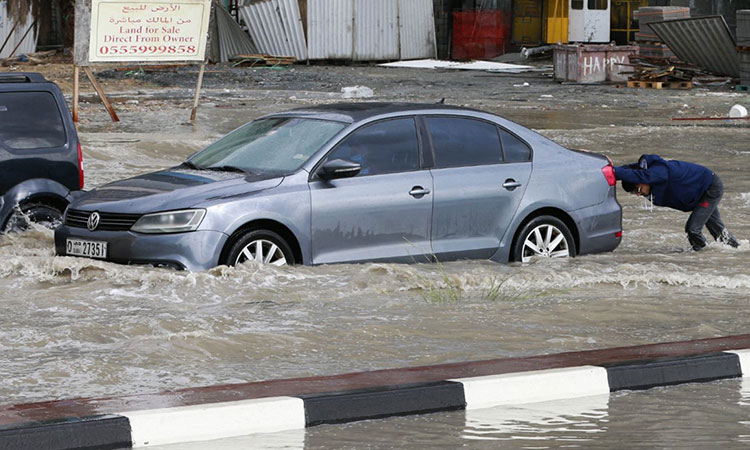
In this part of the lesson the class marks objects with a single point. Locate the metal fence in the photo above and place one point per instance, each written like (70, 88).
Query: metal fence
(12, 33)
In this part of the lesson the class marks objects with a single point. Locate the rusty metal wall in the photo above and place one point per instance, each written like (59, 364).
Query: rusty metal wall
(330, 29)
(276, 27)
(28, 45)
(704, 41)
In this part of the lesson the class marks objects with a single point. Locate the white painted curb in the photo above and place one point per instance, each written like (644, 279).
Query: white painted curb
(534, 386)
(744, 356)
(215, 421)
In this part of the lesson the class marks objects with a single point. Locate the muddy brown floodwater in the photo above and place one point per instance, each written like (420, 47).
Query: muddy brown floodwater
(74, 327)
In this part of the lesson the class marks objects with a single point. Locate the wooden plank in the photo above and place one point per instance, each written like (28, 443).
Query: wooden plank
(100, 92)
(644, 84)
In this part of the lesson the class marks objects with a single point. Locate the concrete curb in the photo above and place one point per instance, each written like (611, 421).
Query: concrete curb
(313, 402)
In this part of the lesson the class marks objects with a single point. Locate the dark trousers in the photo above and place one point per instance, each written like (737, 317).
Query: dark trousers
(707, 214)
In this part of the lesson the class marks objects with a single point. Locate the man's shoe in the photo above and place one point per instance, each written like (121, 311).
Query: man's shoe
(727, 238)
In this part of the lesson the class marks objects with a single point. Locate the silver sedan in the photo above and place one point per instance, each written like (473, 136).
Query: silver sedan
(353, 183)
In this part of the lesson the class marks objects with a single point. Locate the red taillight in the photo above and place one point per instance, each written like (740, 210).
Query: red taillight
(80, 167)
(618, 234)
(609, 174)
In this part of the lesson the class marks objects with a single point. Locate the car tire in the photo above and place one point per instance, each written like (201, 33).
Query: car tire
(274, 249)
(544, 237)
(39, 213)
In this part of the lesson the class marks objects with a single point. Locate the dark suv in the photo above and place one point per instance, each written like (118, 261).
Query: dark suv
(40, 156)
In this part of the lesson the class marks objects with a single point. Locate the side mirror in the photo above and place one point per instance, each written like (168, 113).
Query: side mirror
(338, 168)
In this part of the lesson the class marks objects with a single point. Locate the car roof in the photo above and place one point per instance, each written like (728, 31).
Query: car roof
(355, 112)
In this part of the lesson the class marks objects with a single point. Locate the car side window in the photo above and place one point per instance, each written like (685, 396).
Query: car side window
(30, 120)
(459, 141)
(515, 149)
(383, 147)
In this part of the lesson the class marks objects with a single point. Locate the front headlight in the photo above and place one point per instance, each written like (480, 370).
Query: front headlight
(170, 221)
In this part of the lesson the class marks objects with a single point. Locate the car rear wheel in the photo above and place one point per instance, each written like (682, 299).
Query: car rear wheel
(22, 218)
(544, 237)
(261, 246)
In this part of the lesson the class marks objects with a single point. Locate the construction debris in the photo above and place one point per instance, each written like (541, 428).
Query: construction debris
(257, 59)
(29, 59)
(650, 14)
(663, 73)
(649, 43)
(489, 66)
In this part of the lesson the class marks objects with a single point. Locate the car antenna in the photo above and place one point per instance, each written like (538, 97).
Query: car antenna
(441, 101)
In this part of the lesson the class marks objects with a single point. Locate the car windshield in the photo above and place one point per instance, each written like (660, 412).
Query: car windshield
(280, 145)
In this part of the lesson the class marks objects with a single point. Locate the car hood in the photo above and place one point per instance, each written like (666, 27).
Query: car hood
(171, 189)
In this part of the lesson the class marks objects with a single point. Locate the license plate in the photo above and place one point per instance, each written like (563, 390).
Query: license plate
(90, 249)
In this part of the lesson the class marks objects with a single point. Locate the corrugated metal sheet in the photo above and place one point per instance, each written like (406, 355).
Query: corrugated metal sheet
(417, 29)
(743, 27)
(371, 30)
(376, 35)
(330, 29)
(232, 39)
(6, 28)
(276, 27)
(704, 41)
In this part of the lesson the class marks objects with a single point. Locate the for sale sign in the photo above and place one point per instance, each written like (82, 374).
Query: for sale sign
(145, 30)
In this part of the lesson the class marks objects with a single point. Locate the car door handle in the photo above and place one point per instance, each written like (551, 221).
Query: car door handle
(418, 192)
(510, 184)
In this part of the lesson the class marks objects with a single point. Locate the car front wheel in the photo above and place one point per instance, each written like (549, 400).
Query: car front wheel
(261, 246)
(544, 237)
(22, 217)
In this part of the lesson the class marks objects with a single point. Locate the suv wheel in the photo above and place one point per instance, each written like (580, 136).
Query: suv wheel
(45, 215)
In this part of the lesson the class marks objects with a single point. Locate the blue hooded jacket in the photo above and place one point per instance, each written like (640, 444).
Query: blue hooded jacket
(675, 184)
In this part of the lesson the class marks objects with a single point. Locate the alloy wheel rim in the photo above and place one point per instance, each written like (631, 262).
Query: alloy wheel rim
(545, 241)
(262, 251)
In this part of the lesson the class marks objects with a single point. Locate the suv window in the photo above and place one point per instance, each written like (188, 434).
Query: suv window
(384, 147)
(464, 142)
(30, 120)
(515, 149)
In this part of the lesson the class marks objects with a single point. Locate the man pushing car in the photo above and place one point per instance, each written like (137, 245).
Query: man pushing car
(683, 186)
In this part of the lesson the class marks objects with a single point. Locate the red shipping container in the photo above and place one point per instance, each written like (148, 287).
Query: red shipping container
(479, 34)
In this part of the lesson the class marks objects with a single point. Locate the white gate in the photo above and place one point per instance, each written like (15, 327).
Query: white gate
(589, 21)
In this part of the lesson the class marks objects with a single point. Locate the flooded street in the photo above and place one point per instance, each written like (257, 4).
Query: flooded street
(74, 327)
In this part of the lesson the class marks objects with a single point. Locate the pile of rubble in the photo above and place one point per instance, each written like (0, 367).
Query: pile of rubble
(664, 73)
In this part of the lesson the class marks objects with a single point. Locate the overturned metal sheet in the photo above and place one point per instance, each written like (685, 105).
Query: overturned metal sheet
(232, 39)
(417, 29)
(330, 29)
(276, 27)
(703, 41)
(16, 32)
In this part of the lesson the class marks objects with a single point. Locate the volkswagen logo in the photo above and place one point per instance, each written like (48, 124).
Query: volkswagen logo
(93, 221)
